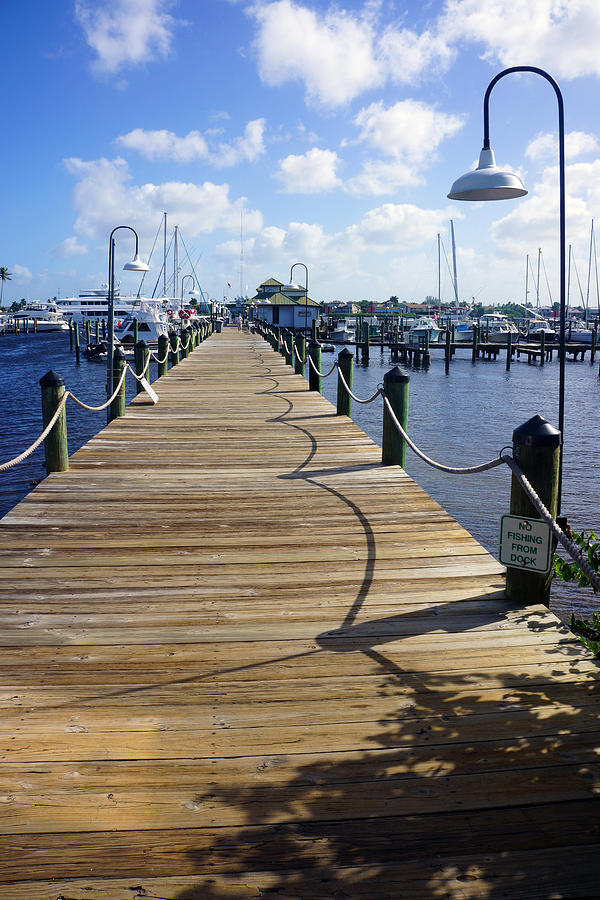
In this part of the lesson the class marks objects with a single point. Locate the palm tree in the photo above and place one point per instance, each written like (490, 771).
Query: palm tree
(5, 275)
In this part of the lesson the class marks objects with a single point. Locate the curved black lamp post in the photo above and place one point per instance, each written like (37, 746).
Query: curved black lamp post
(136, 265)
(488, 182)
(294, 287)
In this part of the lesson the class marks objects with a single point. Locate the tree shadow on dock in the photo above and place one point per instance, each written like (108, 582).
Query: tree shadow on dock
(455, 784)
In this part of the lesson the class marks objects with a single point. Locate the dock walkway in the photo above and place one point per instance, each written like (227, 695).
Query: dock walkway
(242, 659)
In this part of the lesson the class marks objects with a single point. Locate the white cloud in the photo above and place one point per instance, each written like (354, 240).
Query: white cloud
(166, 145)
(21, 273)
(125, 33)
(407, 56)
(104, 196)
(310, 173)
(70, 247)
(409, 132)
(559, 35)
(332, 54)
(577, 143)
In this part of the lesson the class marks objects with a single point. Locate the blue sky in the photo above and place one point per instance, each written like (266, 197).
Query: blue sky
(334, 130)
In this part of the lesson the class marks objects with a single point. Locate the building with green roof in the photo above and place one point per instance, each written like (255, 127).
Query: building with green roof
(283, 305)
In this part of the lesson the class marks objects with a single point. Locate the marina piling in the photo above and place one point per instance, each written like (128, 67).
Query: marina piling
(142, 353)
(346, 368)
(314, 379)
(395, 388)
(300, 354)
(536, 448)
(163, 351)
(55, 444)
(117, 407)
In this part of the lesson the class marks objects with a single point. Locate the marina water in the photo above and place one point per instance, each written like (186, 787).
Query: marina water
(460, 419)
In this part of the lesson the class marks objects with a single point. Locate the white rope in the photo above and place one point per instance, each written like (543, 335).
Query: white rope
(108, 402)
(159, 361)
(285, 346)
(298, 357)
(322, 374)
(354, 397)
(43, 435)
(452, 470)
(571, 548)
(144, 372)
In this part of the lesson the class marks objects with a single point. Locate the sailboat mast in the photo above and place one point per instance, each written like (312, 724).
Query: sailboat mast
(164, 254)
(526, 278)
(569, 275)
(439, 284)
(242, 293)
(587, 293)
(454, 261)
(176, 265)
(537, 287)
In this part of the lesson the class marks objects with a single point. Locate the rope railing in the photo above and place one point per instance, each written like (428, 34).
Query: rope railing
(377, 393)
(298, 357)
(322, 374)
(557, 531)
(451, 470)
(22, 456)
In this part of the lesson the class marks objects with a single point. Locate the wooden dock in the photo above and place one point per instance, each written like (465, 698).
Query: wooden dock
(242, 659)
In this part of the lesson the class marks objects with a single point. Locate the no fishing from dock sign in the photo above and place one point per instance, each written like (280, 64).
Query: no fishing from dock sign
(525, 544)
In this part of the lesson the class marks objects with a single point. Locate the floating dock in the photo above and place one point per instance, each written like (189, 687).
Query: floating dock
(241, 658)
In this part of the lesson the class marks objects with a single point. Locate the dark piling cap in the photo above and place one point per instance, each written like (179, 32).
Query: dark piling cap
(346, 352)
(51, 379)
(118, 354)
(396, 375)
(142, 344)
(536, 432)
(314, 345)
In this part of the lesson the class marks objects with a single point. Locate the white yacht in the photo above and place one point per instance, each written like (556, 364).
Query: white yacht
(93, 305)
(152, 321)
(46, 316)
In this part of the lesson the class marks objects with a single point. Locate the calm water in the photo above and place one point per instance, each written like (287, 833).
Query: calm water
(462, 418)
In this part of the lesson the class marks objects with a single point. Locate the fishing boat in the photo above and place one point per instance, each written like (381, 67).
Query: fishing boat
(497, 328)
(425, 327)
(45, 316)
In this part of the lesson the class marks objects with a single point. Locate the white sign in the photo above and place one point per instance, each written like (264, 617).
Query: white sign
(149, 390)
(525, 544)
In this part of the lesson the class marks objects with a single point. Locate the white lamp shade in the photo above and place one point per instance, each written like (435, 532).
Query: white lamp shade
(136, 265)
(292, 287)
(487, 182)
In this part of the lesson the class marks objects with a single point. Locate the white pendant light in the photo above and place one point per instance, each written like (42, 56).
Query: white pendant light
(487, 182)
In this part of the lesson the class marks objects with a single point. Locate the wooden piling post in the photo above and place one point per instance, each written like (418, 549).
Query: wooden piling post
(448, 350)
(300, 354)
(97, 331)
(142, 352)
(77, 347)
(365, 344)
(162, 353)
(88, 332)
(542, 347)
(314, 379)
(475, 348)
(346, 367)
(136, 331)
(174, 350)
(117, 407)
(288, 350)
(55, 444)
(508, 350)
(71, 335)
(594, 342)
(536, 448)
(103, 329)
(395, 387)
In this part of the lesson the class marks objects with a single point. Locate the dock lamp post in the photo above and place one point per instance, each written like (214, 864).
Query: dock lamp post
(294, 287)
(193, 292)
(488, 182)
(136, 265)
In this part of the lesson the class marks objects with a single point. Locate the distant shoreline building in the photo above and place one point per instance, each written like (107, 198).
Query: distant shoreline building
(278, 304)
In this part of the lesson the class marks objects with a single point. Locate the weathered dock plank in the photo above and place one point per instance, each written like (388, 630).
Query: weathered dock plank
(241, 658)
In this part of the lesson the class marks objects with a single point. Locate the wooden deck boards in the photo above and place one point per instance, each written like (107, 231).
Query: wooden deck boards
(240, 658)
